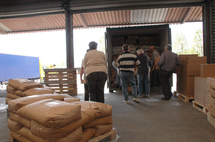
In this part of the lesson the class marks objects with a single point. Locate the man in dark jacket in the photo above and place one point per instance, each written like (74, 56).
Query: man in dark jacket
(168, 63)
(143, 73)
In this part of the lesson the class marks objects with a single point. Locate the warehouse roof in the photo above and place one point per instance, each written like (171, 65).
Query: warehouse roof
(39, 15)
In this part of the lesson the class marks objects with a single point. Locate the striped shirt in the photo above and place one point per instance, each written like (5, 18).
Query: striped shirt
(127, 61)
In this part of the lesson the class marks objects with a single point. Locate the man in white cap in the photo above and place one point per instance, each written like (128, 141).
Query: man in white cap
(143, 73)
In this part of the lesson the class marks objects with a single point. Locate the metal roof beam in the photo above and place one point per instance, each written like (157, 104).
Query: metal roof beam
(82, 20)
(89, 6)
(85, 6)
(188, 13)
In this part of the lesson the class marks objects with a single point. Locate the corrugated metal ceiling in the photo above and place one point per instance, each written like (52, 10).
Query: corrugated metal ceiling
(101, 19)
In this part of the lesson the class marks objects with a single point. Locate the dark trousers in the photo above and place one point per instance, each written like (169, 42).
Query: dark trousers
(155, 77)
(96, 82)
(86, 94)
(166, 87)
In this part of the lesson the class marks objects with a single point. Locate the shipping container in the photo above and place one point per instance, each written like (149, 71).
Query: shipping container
(143, 36)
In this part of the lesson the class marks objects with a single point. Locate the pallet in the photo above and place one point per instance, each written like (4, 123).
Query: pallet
(211, 119)
(105, 137)
(62, 80)
(200, 107)
(184, 98)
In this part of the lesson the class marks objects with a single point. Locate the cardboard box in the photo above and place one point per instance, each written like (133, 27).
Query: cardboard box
(185, 85)
(200, 92)
(207, 70)
(199, 97)
(201, 84)
(184, 57)
(191, 69)
(195, 60)
(191, 65)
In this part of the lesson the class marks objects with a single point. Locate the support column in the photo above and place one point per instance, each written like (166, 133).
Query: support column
(69, 38)
(208, 30)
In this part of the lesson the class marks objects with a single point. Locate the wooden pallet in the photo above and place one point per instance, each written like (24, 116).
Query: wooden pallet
(61, 80)
(184, 98)
(200, 107)
(211, 119)
(105, 137)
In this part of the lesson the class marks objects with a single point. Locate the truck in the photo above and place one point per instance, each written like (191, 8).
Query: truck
(17, 66)
(137, 36)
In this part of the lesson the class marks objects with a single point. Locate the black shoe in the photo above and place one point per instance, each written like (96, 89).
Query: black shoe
(163, 98)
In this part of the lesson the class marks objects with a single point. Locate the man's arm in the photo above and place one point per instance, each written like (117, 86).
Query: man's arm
(161, 61)
(82, 71)
(81, 74)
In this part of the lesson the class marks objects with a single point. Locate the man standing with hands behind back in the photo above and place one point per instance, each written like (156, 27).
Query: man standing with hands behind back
(168, 63)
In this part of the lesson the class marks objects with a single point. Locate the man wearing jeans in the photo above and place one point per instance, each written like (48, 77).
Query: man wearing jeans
(126, 63)
(168, 63)
(143, 74)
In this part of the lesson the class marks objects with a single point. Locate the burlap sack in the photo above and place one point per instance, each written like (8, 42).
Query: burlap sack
(10, 89)
(99, 121)
(7, 100)
(75, 136)
(19, 93)
(71, 100)
(101, 129)
(66, 96)
(21, 120)
(27, 134)
(23, 84)
(87, 134)
(14, 105)
(51, 113)
(19, 137)
(37, 91)
(12, 96)
(13, 126)
(53, 133)
(101, 108)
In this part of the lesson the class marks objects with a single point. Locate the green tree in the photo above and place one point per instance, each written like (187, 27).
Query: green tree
(197, 46)
(101, 46)
(181, 45)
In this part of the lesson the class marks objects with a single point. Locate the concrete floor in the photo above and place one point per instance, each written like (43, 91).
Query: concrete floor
(152, 120)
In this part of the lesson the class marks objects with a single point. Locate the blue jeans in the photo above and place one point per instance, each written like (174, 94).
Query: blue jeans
(125, 78)
(146, 80)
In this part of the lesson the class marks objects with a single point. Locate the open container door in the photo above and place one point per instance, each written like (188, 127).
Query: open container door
(143, 36)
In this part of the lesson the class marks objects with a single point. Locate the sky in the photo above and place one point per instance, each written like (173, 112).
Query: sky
(50, 47)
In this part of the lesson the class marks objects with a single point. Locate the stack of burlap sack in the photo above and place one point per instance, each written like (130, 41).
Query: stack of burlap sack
(57, 118)
(18, 88)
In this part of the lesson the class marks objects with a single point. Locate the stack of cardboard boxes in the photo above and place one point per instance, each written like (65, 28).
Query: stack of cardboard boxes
(200, 92)
(211, 100)
(190, 67)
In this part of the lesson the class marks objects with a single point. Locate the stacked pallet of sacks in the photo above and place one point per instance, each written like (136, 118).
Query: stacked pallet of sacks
(211, 100)
(18, 88)
(54, 118)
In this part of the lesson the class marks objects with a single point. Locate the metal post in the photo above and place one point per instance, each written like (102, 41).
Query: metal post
(206, 35)
(69, 37)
